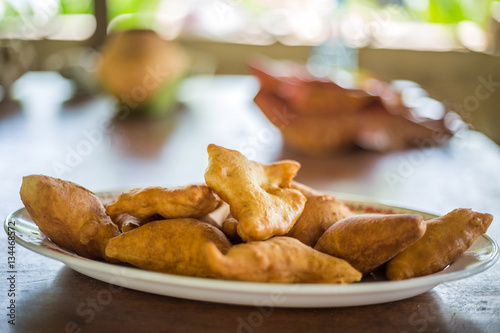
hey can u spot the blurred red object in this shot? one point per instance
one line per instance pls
(319, 117)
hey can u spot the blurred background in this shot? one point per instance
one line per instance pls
(330, 77)
(443, 45)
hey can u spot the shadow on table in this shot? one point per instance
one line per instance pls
(74, 301)
(354, 164)
(142, 136)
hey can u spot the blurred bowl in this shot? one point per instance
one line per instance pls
(319, 117)
(318, 134)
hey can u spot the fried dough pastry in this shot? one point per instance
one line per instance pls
(175, 246)
(369, 240)
(190, 201)
(70, 215)
(230, 229)
(320, 212)
(127, 222)
(258, 195)
(280, 260)
(446, 238)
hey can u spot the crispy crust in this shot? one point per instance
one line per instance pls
(70, 215)
(258, 194)
(280, 260)
(174, 246)
(446, 238)
(192, 201)
(320, 212)
(369, 240)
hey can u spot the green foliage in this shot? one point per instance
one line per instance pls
(119, 7)
(77, 7)
(454, 11)
(435, 11)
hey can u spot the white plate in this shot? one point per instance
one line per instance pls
(371, 290)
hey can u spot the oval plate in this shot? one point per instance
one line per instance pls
(371, 290)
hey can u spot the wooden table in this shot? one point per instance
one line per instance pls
(76, 142)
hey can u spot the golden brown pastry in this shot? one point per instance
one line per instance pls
(70, 215)
(174, 246)
(230, 229)
(190, 201)
(280, 260)
(446, 238)
(127, 222)
(257, 194)
(320, 212)
(369, 240)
